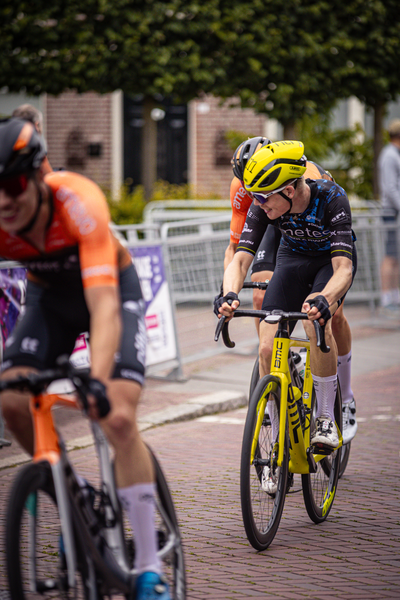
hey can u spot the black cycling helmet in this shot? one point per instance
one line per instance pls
(244, 151)
(22, 148)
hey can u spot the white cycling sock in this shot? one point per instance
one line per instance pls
(138, 502)
(274, 418)
(325, 390)
(344, 375)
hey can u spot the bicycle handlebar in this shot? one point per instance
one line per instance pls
(259, 285)
(276, 316)
(36, 383)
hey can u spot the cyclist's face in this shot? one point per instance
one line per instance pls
(275, 206)
(18, 201)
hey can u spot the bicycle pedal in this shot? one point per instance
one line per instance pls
(322, 449)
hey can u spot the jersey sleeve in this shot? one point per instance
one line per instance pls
(84, 211)
(253, 230)
(339, 222)
(240, 202)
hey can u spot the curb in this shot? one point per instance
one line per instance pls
(207, 404)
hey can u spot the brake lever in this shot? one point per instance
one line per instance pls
(320, 333)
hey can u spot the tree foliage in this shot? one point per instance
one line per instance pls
(287, 58)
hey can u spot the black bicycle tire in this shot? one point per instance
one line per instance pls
(344, 459)
(260, 540)
(34, 477)
(178, 592)
(255, 377)
(323, 483)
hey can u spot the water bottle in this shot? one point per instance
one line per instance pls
(300, 363)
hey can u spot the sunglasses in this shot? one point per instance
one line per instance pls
(262, 198)
(14, 186)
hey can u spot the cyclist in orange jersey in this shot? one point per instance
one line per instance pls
(80, 278)
(264, 264)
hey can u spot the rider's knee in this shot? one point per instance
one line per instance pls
(266, 347)
(14, 409)
(121, 424)
(258, 297)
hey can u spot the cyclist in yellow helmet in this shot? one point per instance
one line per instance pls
(316, 260)
(264, 262)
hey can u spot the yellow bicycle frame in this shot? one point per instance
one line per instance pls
(299, 440)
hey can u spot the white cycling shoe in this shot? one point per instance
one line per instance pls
(349, 421)
(325, 437)
(269, 482)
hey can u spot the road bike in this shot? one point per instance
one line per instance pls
(255, 377)
(277, 450)
(68, 540)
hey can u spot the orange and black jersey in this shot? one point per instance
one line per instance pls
(80, 248)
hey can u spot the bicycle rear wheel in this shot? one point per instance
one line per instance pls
(169, 537)
(36, 565)
(344, 459)
(261, 509)
(319, 489)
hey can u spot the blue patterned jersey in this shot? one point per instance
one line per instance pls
(325, 225)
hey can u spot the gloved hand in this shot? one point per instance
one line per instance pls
(85, 386)
(323, 306)
(219, 300)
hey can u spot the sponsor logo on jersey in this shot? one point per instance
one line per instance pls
(238, 198)
(44, 265)
(133, 307)
(339, 217)
(98, 271)
(29, 345)
(76, 210)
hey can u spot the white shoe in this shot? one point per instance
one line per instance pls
(349, 429)
(269, 482)
(325, 437)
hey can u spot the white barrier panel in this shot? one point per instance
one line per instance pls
(161, 337)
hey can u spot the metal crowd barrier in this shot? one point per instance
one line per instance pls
(193, 251)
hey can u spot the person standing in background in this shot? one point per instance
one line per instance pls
(389, 186)
(33, 115)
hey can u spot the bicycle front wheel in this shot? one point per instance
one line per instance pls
(36, 565)
(263, 483)
(319, 489)
(255, 377)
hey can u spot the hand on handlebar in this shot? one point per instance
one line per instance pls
(317, 309)
(226, 305)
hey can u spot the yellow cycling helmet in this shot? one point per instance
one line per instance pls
(274, 167)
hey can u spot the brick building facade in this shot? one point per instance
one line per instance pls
(84, 133)
(210, 171)
(79, 134)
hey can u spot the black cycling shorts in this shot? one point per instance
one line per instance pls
(53, 319)
(296, 276)
(265, 258)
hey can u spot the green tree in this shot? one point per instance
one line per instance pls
(371, 44)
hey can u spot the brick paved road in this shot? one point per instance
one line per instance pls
(353, 555)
